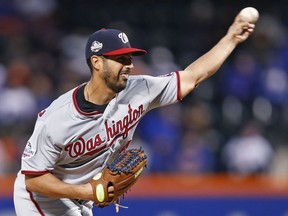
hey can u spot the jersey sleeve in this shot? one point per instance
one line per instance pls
(163, 90)
(40, 153)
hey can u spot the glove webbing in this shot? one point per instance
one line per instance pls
(126, 162)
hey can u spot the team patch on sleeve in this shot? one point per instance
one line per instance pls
(28, 151)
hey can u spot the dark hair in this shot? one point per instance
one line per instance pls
(88, 60)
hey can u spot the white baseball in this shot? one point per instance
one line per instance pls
(249, 14)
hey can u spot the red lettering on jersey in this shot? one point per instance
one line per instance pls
(123, 125)
(95, 144)
(82, 147)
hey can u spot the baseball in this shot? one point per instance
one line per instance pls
(249, 14)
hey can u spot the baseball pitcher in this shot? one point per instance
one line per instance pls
(79, 154)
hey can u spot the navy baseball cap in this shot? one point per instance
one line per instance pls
(108, 42)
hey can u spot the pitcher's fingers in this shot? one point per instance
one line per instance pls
(110, 189)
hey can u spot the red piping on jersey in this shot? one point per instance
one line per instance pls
(35, 203)
(179, 98)
(77, 107)
(29, 172)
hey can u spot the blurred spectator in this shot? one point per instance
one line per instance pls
(199, 117)
(195, 156)
(275, 85)
(162, 61)
(17, 102)
(241, 78)
(269, 106)
(42, 87)
(72, 49)
(249, 152)
(239, 83)
(267, 40)
(3, 165)
(36, 8)
(2, 76)
(279, 171)
(8, 155)
(161, 130)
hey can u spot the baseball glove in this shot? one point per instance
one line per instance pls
(122, 173)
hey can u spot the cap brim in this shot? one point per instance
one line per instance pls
(123, 51)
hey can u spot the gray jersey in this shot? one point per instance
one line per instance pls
(74, 145)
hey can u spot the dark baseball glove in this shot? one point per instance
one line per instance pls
(122, 173)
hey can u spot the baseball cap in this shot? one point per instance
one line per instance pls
(108, 42)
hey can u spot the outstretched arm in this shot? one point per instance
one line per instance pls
(210, 62)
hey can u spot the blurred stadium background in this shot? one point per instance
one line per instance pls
(222, 151)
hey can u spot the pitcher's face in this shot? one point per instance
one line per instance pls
(116, 70)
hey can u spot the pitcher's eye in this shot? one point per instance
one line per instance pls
(125, 60)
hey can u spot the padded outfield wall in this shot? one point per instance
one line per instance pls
(181, 195)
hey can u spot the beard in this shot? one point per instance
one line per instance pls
(114, 81)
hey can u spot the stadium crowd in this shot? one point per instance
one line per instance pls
(234, 122)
